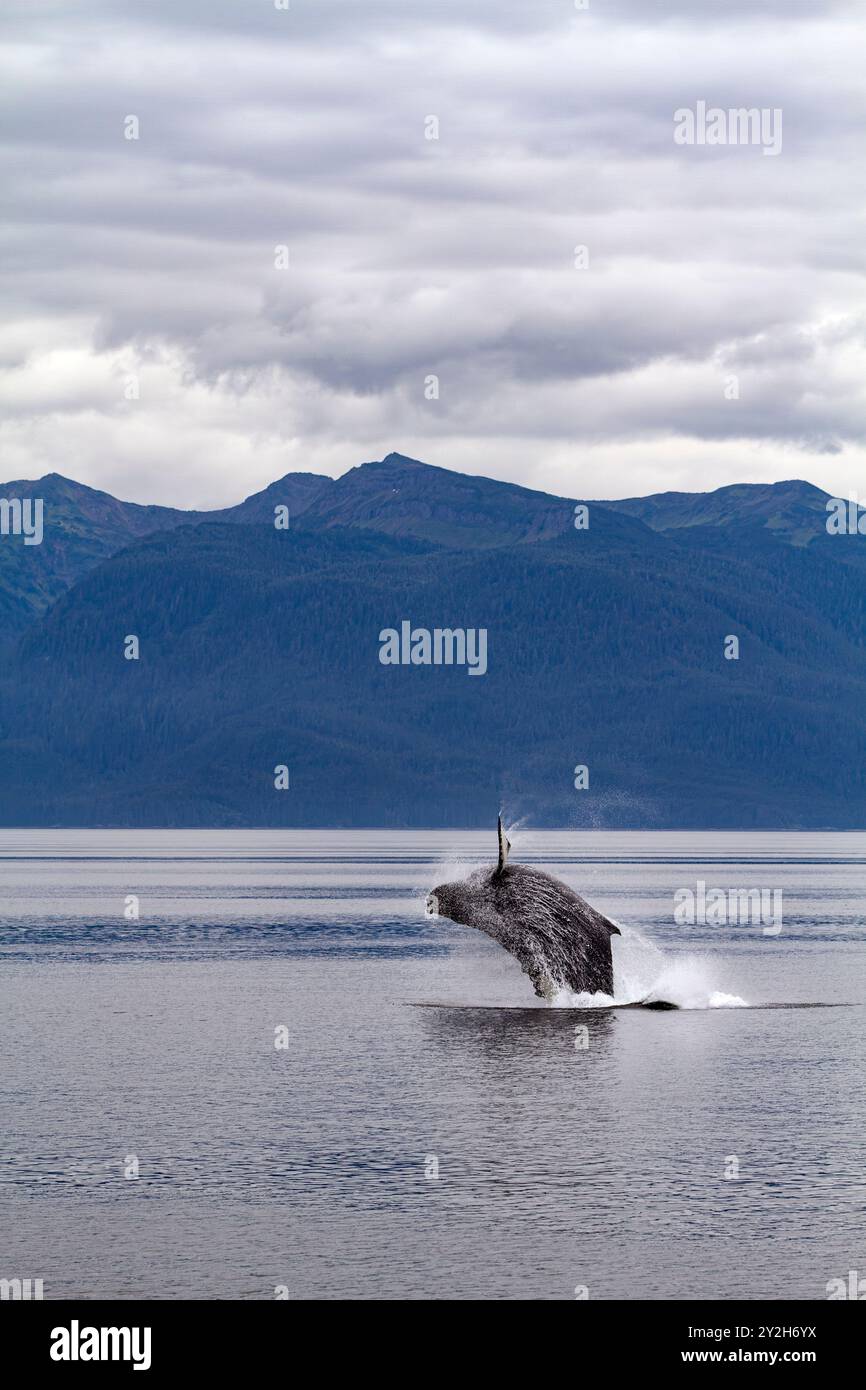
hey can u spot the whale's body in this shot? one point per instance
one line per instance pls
(560, 941)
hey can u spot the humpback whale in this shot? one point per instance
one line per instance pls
(558, 938)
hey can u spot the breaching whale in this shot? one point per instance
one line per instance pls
(560, 941)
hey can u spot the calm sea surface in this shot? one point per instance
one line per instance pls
(574, 1148)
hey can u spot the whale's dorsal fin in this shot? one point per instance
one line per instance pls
(504, 846)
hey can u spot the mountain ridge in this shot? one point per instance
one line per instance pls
(396, 495)
(260, 648)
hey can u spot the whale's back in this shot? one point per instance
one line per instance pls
(559, 939)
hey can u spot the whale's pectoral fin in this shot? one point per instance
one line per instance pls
(602, 921)
(504, 846)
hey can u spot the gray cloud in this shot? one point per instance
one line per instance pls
(408, 257)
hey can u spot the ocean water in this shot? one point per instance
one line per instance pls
(426, 1127)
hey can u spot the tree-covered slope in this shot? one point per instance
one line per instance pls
(605, 648)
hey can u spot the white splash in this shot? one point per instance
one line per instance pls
(642, 974)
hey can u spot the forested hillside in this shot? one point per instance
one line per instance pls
(605, 647)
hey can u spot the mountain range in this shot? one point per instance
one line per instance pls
(259, 648)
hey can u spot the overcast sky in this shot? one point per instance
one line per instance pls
(149, 264)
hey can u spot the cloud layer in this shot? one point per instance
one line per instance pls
(160, 342)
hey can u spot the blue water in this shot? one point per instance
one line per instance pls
(157, 1144)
